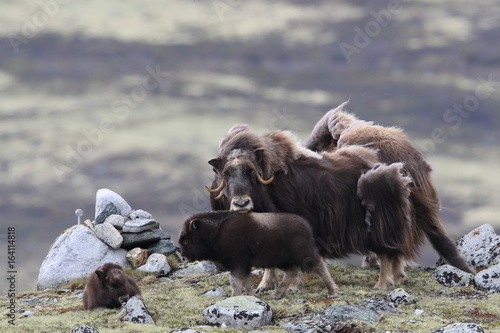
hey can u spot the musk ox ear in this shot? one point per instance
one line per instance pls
(216, 163)
(100, 274)
(194, 224)
(259, 155)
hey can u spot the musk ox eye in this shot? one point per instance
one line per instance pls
(185, 242)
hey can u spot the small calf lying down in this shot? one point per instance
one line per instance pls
(108, 287)
(236, 242)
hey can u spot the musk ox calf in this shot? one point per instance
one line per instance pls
(237, 241)
(108, 287)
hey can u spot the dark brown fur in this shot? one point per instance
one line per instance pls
(236, 242)
(338, 129)
(323, 188)
(108, 287)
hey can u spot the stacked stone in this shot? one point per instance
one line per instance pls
(136, 231)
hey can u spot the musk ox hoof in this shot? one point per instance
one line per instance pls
(383, 286)
(261, 290)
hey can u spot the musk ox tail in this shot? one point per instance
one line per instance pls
(385, 195)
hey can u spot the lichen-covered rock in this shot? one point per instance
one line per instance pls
(105, 196)
(480, 247)
(136, 312)
(341, 313)
(137, 257)
(76, 253)
(84, 329)
(186, 330)
(197, 268)
(461, 328)
(109, 210)
(240, 312)
(156, 263)
(109, 235)
(400, 297)
(489, 279)
(450, 276)
(216, 292)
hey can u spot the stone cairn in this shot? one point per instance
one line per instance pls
(116, 224)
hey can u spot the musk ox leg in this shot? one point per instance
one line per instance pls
(269, 281)
(325, 276)
(370, 261)
(290, 276)
(240, 283)
(398, 271)
(386, 277)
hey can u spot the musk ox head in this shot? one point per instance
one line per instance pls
(194, 240)
(113, 279)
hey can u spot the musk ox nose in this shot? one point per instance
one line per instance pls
(241, 204)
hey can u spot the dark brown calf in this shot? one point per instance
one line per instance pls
(108, 287)
(238, 241)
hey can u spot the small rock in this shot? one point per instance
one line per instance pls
(450, 276)
(136, 312)
(109, 235)
(301, 328)
(156, 263)
(400, 297)
(140, 214)
(419, 312)
(240, 312)
(137, 257)
(186, 330)
(84, 329)
(198, 268)
(163, 246)
(109, 210)
(105, 196)
(116, 221)
(216, 292)
(143, 239)
(139, 225)
(379, 306)
(26, 313)
(489, 279)
(340, 313)
(461, 328)
(89, 225)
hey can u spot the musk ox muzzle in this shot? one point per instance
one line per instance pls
(241, 204)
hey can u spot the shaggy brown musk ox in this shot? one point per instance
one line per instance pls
(353, 203)
(108, 287)
(236, 242)
(339, 129)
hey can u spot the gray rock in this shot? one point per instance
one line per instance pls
(116, 221)
(136, 312)
(480, 247)
(139, 225)
(301, 328)
(340, 313)
(84, 329)
(216, 292)
(140, 214)
(240, 312)
(186, 330)
(109, 235)
(143, 239)
(198, 268)
(450, 276)
(105, 196)
(76, 253)
(400, 297)
(380, 306)
(156, 263)
(109, 210)
(489, 279)
(164, 246)
(461, 328)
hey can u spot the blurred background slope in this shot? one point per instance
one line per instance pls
(134, 96)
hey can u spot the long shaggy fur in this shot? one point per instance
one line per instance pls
(339, 129)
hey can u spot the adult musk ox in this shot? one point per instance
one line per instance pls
(236, 242)
(353, 203)
(339, 129)
(108, 287)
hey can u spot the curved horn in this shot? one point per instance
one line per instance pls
(262, 180)
(218, 189)
(219, 196)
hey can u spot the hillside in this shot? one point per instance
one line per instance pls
(135, 97)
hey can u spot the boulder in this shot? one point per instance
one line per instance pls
(109, 210)
(140, 214)
(156, 263)
(450, 276)
(143, 239)
(137, 257)
(216, 292)
(480, 247)
(489, 279)
(116, 221)
(76, 253)
(197, 268)
(139, 225)
(109, 235)
(400, 297)
(136, 312)
(105, 196)
(163, 246)
(461, 328)
(341, 313)
(240, 312)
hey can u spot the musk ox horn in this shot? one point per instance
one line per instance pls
(219, 196)
(262, 180)
(216, 190)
